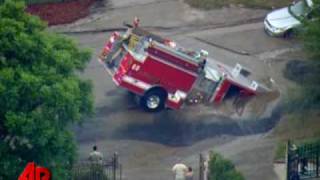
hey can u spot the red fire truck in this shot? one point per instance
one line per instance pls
(165, 75)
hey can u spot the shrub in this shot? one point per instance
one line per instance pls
(222, 169)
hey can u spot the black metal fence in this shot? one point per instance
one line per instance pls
(201, 167)
(109, 169)
(303, 161)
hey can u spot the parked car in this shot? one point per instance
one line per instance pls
(283, 22)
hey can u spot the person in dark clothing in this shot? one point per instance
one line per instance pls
(203, 55)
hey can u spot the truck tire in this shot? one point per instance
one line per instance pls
(153, 100)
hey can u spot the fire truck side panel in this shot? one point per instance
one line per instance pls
(123, 77)
(221, 91)
(170, 77)
(174, 59)
(139, 71)
(138, 77)
(131, 87)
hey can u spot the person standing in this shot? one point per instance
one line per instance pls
(204, 55)
(189, 174)
(96, 156)
(180, 171)
(96, 163)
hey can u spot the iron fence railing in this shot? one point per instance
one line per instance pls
(303, 161)
(109, 169)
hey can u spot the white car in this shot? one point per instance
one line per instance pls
(282, 22)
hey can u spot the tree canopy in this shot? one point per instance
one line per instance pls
(40, 93)
(311, 36)
(311, 40)
(306, 73)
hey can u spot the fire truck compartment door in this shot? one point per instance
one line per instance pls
(221, 91)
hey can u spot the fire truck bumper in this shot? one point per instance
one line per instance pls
(109, 70)
(176, 100)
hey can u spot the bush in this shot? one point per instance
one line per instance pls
(222, 169)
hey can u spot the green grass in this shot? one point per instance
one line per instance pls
(213, 4)
(281, 148)
(300, 128)
(280, 153)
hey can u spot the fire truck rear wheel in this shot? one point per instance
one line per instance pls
(153, 101)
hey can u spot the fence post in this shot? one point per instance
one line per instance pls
(201, 168)
(288, 160)
(120, 166)
(317, 160)
(114, 164)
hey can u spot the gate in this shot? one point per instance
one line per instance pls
(303, 161)
(109, 169)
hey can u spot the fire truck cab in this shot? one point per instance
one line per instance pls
(165, 75)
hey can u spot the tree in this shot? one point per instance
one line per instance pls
(311, 36)
(222, 169)
(307, 97)
(40, 94)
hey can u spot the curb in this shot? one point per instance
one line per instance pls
(93, 31)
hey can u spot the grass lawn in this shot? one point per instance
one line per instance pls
(299, 128)
(212, 4)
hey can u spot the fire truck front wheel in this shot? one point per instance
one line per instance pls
(154, 100)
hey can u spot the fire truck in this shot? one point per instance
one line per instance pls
(165, 75)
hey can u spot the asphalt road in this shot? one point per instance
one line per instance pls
(149, 144)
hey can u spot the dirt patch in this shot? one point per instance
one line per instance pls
(61, 12)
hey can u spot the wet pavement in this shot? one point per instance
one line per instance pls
(149, 144)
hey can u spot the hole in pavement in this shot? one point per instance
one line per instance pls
(172, 129)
